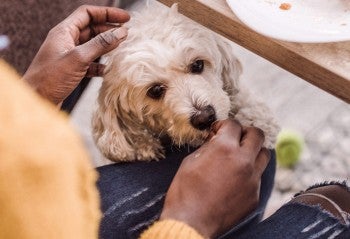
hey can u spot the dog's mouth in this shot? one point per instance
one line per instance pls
(192, 131)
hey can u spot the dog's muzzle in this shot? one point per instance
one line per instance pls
(203, 118)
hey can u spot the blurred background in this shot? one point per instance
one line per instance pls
(322, 120)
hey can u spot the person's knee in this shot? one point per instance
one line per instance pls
(334, 198)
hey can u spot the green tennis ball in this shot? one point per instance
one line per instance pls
(289, 147)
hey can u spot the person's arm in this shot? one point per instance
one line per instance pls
(68, 52)
(215, 187)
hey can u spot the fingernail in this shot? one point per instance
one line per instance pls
(121, 33)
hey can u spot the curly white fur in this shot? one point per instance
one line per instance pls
(160, 47)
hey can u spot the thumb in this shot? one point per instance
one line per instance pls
(101, 44)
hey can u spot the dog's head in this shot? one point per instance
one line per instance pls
(170, 77)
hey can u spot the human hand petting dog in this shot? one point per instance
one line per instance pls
(68, 52)
(218, 185)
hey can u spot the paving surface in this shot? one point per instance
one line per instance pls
(321, 119)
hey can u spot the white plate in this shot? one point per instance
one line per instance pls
(309, 21)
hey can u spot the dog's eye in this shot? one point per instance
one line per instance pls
(156, 91)
(197, 67)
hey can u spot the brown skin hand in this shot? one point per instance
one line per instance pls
(218, 185)
(68, 52)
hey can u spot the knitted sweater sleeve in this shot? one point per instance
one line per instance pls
(47, 184)
(170, 229)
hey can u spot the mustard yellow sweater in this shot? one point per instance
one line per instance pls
(47, 185)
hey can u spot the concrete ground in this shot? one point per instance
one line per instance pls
(321, 119)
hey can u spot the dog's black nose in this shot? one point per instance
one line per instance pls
(203, 118)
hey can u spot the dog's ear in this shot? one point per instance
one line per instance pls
(118, 133)
(231, 68)
(109, 136)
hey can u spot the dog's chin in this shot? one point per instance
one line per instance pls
(192, 138)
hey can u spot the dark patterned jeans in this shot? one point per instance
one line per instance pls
(132, 196)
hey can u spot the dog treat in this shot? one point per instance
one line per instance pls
(285, 6)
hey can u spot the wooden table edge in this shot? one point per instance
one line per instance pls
(277, 52)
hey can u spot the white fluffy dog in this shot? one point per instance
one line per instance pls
(172, 78)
